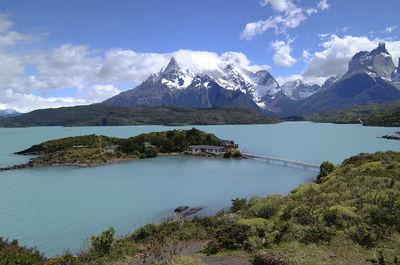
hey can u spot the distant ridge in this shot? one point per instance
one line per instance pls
(107, 115)
(9, 113)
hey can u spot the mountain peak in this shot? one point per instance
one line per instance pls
(380, 49)
(376, 63)
(172, 65)
(9, 112)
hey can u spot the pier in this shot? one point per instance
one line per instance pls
(285, 162)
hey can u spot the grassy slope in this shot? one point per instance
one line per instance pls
(380, 114)
(107, 115)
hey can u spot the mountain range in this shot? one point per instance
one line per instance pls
(371, 77)
(9, 113)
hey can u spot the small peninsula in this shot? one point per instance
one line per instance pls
(95, 150)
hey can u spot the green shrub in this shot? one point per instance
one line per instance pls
(230, 237)
(227, 155)
(324, 170)
(267, 211)
(239, 204)
(151, 152)
(316, 233)
(101, 244)
(363, 234)
(237, 153)
(340, 216)
(13, 254)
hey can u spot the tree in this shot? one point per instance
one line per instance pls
(101, 244)
(324, 170)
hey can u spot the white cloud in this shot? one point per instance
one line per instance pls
(278, 5)
(306, 55)
(99, 93)
(290, 17)
(5, 23)
(282, 55)
(333, 59)
(24, 102)
(95, 74)
(389, 29)
(323, 5)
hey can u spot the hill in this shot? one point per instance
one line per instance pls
(107, 115)
(379, 114)
(94, 150)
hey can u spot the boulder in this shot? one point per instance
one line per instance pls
(181, 209)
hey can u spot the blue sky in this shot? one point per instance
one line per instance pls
(61, 53)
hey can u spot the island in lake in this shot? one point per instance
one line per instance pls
(95, 150)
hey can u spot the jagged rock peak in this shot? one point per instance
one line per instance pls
(172, 65)
(380, 49)
(377, 63)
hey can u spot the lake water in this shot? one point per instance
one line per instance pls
(57, 208)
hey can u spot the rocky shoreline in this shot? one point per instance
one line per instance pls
(396, 136)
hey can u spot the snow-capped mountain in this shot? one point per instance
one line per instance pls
(396, 74)
(9, 113)
(377, 63)
(371, 77)
(297, 90)
(224, 85)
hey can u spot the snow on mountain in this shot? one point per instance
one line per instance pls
(396, 74)
(256, 85)
(9, 113)
(297, 90)
(377, 63)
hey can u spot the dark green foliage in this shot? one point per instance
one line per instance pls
(107, 115)
(168, 141)
(324, 170)
(227, 155)
(101, 244)
(76, 142)
(236, 153)
(239, 205)
(267, 211)
(230, 237)
(380, 114)
(381, 259)
(90, 149)
(13, 254)
(316, 233)
(151, 152)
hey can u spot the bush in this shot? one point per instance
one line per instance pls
(324, 170)
(11, 253)
(229, 237)
(227, 155)
(237, 153)
(267, 211)
(145, 232)
(151, 152)
(101, 244)
(363, 234)
(239, 205)
(315, 234)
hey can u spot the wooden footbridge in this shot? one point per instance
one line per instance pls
(285, 162)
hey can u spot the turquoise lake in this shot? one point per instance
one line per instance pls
(58, 208)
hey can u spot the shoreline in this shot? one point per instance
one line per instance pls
(113, 161)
